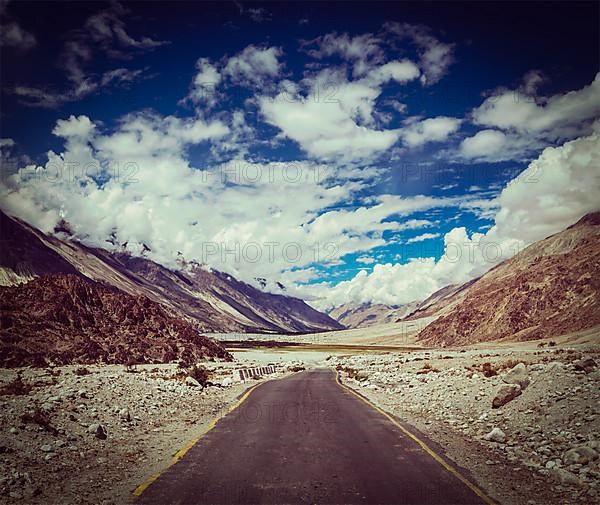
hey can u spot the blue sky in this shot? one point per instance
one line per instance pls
(425, 112)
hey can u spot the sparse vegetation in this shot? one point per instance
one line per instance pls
(427, 368)
(352, 372)
(508, 364)
(200, 373)
(296, 368)
(486, 369)
(16, 387)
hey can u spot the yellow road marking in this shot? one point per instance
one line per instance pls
(181, 452)
(479, 492)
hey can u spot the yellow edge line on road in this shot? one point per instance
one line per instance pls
(423, 445)
(181, 452)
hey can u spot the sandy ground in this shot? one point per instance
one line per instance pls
(445, 395)
(148, 416)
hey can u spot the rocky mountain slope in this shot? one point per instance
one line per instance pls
(550, 288)
(370, 314)
(210, 300)
(65, 318)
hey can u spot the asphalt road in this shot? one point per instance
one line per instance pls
(307, 440)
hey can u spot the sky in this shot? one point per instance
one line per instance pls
(349, 152)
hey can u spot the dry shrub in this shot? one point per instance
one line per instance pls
(81, 371)
(352, 372)
(200, 373)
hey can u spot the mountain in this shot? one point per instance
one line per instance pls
(212, 301)
(549, 289)
(66, 318)
(370, 314)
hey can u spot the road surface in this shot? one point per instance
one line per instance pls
(306, 439)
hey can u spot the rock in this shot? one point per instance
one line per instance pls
(586, 365)
(98, 430)
(594, 444)
(362, 375)
(566, 477)
(190, 381)
(125, 415)
(496, 435)
(46, 448)
(581, 455)
(505, 394)
(226, 382)
(517, 375)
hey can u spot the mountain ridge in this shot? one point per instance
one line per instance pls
(210, 300)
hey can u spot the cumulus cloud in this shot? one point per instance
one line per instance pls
(519, 122)
(204, 85)
(363, 51)
(483, 143)
(340, 123)
(254, 65)
(553, 192)
(135, 185)
(418, 132)
(434, 56)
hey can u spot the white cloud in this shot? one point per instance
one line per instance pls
(366, 260)
(204, 85)
(483, 144)
(557, 116)
(552, 193)
(144, 191)
(254, 65)
(418, 132)
(6, 142)
(423, 237)
(363, 51)
(339, 124)
(435, 56)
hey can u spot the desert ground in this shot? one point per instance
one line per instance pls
(93, 434)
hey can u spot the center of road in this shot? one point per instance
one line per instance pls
(309, 439)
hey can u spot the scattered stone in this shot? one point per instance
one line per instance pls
(98, 430)
(496, 435)
(581, 455)
(46, 448)
(566, 477)
(586, 365)
(190, 381)
(362, 375)
(125, 415)
(517, 375)
(505, 394)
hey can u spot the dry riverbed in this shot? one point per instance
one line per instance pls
(93, 434)
(540, 447)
